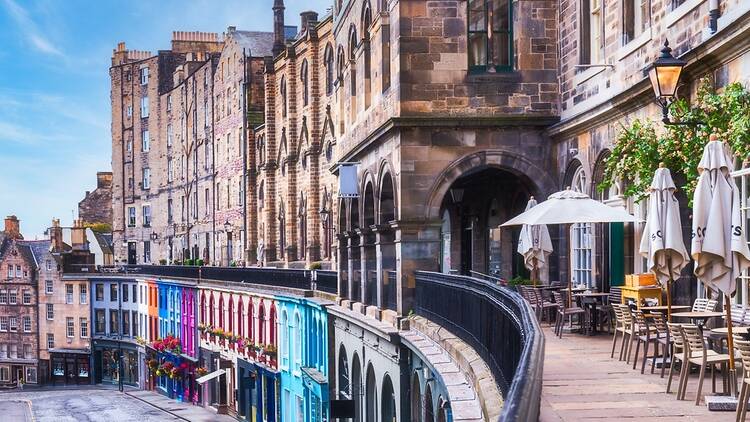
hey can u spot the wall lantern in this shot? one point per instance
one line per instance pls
(665, 75)
(457, 194)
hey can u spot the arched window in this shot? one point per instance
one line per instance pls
(221, 311)
(297, 341)
(250, 320)
(261, 323)
(343, 377)
(272, 325)
(366, 22)
(353, 44)
(388, 401)
(282, 230)
(231, 314)
(303, 76)
(416, 399)
(203, 307)
(284, 339)
(371, 395)
(490, 35)
(582, 236)
(357, 388)
(211, 310)
(261, 194)
(302, 218)
(282, 92)
(328, 59)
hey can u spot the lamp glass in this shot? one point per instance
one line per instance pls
(668, 77)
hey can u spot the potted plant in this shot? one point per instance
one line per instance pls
(201, 371)
(162, 261)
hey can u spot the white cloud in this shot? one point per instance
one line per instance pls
(29, 29)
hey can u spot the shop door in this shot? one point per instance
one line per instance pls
(18, 374)
(70, 371)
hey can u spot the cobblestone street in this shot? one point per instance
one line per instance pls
(93, 405)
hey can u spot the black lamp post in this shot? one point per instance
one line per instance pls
(228, 231)
(665, 75)
(324, 216)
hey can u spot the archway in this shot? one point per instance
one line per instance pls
(371, 395)
(343, 378)
(386, 244)
(429, 412)
(387, 401)
(416, 399)
(367, 240)
(475, 204)
(355, 253)
(357, 388)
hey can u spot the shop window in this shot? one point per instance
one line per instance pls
(4, 373)
(30, 374)
(490, 35)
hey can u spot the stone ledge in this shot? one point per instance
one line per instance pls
(469, 363)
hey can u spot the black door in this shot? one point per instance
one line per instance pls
(132, 253)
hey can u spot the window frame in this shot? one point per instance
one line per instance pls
(479, 69)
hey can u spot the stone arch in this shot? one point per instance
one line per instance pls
(357, 387)
(597, 175)
(387, 210)
(429, 405)
(344, 382)
(369, 216)
(541, 184)
(417, 412)
(371, 395)
(387, 401)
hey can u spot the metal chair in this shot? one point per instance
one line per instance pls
(563, 312)
(697, 353)
(677, 354)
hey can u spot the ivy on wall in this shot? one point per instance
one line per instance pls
(640, 147)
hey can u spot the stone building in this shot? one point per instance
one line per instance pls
(170, 126)
(96, 206)
(19, 352)
(603, 53)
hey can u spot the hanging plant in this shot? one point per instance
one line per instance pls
(639, 147)
(201, 371)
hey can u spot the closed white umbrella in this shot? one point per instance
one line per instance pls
(662, 242)
(535, 245)
(570, 207)
(719, 246)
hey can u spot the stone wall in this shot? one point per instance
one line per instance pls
(96, 206)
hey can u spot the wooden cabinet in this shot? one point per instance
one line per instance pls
(640, 293)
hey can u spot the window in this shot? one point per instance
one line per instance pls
(3, 297)
(169, 102)
(582, 236)
(26, 297)
(169, 210)
(113, 292)
(84, 293)
(27, 354)
(170, 170)
(125, 293)
(146, 215)
(146, 178)
(635, 19)
(125, 323)
(3, 323)
(70, 328)
(84, 323)
(4, 373)
(304, 79)
(205, 113)
(100, 321)
(207, 201)
(10, 271)
(144, 107)
(114, 317)
(591, 29)
(18, 271)
(13, 351)
(145, 141)
(48, 287)
(297, 342)
(329, 69)
(13, 323)
(170, 134)
(131, 216)
(69, 294)
(144, 75)
(99, 292)
(13, 297)
(50, 311)
(130, 110)
(27, 324)
(50, 341)
(282, 91)
(490, 35)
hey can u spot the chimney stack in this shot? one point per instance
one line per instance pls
(78, 236)
(104, 179)
(13, 227)
(306, 18)
(279, 39)
(56, 236)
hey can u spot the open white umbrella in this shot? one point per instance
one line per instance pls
(570, 207)
(535, 245)
(662, 242)
(719, 245)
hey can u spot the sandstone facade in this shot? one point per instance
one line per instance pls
(96, 206)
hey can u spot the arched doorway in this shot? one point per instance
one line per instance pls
(429, 413)
(416, 399)
(387, 401)
(386, 243)
(343, 378)
(473, 207)
(367, 240)
(371, 396)
(357, 388)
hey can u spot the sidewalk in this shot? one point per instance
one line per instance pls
(185, 411)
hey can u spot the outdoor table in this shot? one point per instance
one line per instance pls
(663, 308)
(592, 307)
(735, 330)
(701, 316)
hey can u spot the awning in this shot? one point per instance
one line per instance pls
(209, 377)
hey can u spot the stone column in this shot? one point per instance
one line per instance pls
(385, 251)
(353, 254)
(368, 265)
(344, 279)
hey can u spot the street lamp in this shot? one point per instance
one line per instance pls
(665, 75)
(228, 231)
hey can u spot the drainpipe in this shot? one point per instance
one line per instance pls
(244, 154)
(713, 15)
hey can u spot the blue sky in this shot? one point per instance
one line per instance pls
(54, 87)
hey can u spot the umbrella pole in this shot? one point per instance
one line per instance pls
(669, 299)
(570, 266)
(730, 345)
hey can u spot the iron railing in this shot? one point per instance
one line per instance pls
(279, 277)
(326, 281)
(499, 325)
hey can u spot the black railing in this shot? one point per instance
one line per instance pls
(279, 277)
(326, 281)
(499, 325)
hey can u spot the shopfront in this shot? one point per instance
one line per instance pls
(316, 394)
(70, 367)
(109, 368)
(257, 392)
(174, 375)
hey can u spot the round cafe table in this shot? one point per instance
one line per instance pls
(664, 308)
(735, 330)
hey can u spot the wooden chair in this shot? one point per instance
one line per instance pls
(619, 328)
(543, 306)
(700, 304)
(565, 312)
(677, 354)
(743, 348)
(664, 339)
(627, 334)
(711, 305)
(645, 334)
(697, 353)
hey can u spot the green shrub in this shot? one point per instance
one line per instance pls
(518, 281)
(162, 261)
(199, 262)
(316, 266)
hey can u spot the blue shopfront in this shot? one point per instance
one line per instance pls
(257, 392)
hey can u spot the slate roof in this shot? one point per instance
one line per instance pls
(104, 240)
(258, 44)
(39, 250)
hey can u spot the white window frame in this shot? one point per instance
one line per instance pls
(50, 311)
(146, 182)
(83, 290)
(84, 324)
(69, 293)
(50, 340)
(13, 297)
(144, 107)
(24, 295)
(49, 287)
(3, 297)
(70, 327)
(144, 75)
(742, 180)
(26, 324)
(3, 324)
(582, 240)
(145, 140)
